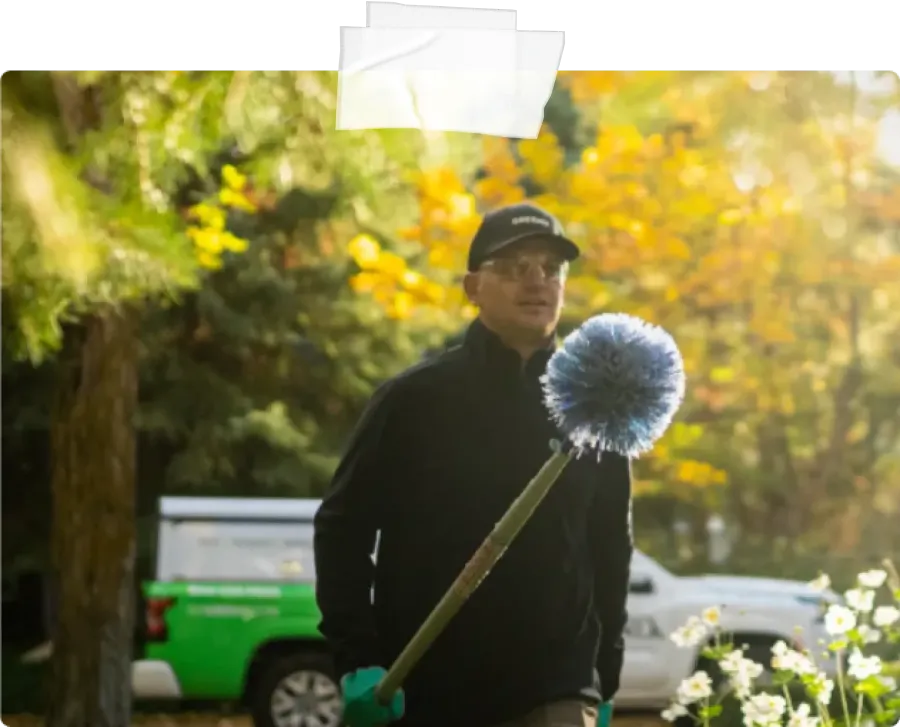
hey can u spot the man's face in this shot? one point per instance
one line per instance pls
(520, 290)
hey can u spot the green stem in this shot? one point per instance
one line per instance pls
(787, 698)
(487, 555)
(840, 684)
(824, 714)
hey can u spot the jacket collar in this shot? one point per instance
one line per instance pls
(488, 350)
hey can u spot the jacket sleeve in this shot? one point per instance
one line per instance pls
(612, 544)
(346, 525)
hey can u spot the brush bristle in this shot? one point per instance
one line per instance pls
(615, 384)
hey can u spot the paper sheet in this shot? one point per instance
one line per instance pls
(446, 69)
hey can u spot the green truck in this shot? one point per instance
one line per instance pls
(231, 614)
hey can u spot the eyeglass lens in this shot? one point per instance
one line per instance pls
(519, 268)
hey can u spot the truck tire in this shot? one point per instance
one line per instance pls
(297, 690)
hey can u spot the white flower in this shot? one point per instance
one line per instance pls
(731, 662)
(822, 688)
(860, 599)
(888, 683)
(787, 659)
(742, 682)
(821, 583)
(673, 713)
(801, 717)
(692, 634)
(711, 616)
(886, 616)
(763, 710)
(872, 578)
(868, 634)
(862, 667)
(696, 687)
(839, 620)
(741, 672)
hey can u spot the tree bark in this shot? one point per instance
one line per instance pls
(93, 534)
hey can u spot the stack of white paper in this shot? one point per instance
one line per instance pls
(445, 69)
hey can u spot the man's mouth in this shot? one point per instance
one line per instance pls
(533, 304)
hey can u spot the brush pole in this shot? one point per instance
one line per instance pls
(480, 564)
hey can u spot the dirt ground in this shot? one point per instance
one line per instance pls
(207, 720)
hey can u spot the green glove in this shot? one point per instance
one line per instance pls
(361, 706)
(604, 714)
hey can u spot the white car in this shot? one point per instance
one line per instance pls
(756, 612)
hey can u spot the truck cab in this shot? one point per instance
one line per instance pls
(231, 614)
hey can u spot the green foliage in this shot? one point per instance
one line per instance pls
(253, 381)
(253, 369)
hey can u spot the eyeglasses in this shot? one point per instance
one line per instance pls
(518, 269)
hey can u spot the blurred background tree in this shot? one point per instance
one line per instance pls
(752, 215)
(155, 292)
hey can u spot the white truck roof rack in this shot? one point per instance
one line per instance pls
(237, 508)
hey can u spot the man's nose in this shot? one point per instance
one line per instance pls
(534, 274)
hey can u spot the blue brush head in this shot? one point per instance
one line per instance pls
(615, 384)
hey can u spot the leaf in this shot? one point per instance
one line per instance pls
(721, 375)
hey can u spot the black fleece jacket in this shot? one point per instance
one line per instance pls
(439, 455)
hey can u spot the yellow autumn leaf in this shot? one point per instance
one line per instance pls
(630, 139)
(462, 205)
(401, 306)
(365, 250)
(730, 217)
(721, 375)
(232, 198)
(687, 471)
(208, 240)
(441, 256)
(209, 260)
(544, 157)
(232, 243)
(433, 292)
(619, 221)
(391, 264)
(695, 205)
(590, 157)
(365, 282)
(232, 178)
(411, 279)
(208, 215)
(410, 233)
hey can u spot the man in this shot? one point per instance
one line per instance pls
(440, 454)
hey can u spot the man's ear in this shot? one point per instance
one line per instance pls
(470, 286)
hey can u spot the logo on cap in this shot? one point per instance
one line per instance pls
(553, 223)
(526, 219)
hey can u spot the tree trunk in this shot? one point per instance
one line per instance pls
(93, 540)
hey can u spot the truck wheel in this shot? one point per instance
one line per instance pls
(297, 691)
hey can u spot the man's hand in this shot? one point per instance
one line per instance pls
(361, 706)
(604, 714)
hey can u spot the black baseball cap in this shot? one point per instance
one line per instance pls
(504, 226)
